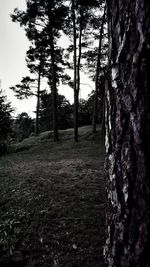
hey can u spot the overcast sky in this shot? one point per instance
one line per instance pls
(13, 47)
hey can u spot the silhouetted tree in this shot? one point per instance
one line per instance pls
(37, 62)
(26, 89)
(76, 93)
(23, 90)
(97, 75)
(46, 112)
(96, 58)
(23, 126)
(83, 14)
(46, 17)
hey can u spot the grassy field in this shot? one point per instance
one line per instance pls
(52, 202)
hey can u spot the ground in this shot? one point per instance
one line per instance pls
(52, 204)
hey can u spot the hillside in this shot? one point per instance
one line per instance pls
(52, 210)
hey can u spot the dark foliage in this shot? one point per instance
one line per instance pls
(46, 112)
(23, 90)
(5, 123)
(85, 112)
(23, 126)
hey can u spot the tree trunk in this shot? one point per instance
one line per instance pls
(94, 121)
(76, 93)
(75, 75)
(76, 105)
(103, 105)
(38, 105)
(80, 47)
(128, 134)
(54, 87)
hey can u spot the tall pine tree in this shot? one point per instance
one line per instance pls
(46, 17)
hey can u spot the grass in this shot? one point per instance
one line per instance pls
(52, 205)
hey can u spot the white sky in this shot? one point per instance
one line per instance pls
(13, 47)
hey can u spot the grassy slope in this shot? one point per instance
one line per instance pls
(52, 202)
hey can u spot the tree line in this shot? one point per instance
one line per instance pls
(14, 129)
(45, 23)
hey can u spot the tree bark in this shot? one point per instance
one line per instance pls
(128, 134)
(94, 121)
(38, 105)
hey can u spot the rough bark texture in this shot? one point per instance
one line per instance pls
(128, 134)
(38, 104)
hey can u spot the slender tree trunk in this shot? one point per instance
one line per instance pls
(128, 135)
(80, 47)
(103, 111)
(76, 98)
(54, 87)
(94, 121)
(75, 75)
(103, 105)
(76, 104)
(38, 105)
